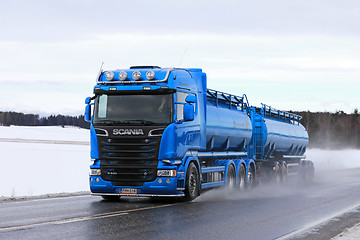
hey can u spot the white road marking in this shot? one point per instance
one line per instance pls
(83, 218)
(89, 218)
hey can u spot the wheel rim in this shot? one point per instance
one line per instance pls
(192, 183)
(242, 180)
(231, 179)
(250, 177)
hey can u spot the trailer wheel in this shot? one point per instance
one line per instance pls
(242, 178)
(278, 173)
(192, 182)
(111, 198)
(231, 178)
(251, 177)
(306, 171)
(284, 171)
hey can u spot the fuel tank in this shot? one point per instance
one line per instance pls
(228, 128)
(285, 138)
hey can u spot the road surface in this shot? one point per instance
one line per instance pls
(318, 210)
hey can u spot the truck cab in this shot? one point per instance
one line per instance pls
(143, 122)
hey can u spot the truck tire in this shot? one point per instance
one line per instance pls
(277, 173)
(251, 178)
(242, 178)
(231, 178)
(111, 198)
(306, 171)
(192, 182)
(284, 171)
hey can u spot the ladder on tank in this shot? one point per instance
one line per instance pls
(258, 138)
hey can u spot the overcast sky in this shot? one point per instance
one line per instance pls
(292, 55)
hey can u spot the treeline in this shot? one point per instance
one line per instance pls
(21, 119)
(332, 130)
(326, 130)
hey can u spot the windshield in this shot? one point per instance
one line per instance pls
(133, 109)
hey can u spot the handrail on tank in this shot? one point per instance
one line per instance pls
(232, 100)
(269, 112)
(247, 101)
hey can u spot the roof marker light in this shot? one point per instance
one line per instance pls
(109, 76)
(136, 75)
(150, 75)
(122, 76)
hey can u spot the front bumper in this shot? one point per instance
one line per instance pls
(161, 186)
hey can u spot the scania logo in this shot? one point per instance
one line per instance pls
(121, 131)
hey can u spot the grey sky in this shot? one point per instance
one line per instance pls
(294, 55)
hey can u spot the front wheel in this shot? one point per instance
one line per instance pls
(192, 182)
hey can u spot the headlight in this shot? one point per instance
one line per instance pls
(122, 76)
(109, 76)
(150, 75)
(136, 75)
(166, 173)
(95, 172)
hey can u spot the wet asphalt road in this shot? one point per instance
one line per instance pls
(268, 212)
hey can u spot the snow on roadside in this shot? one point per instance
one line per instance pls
(352, 233)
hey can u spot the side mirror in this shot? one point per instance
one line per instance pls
(190, 99)
(189, 112)
(87, 100)
(87, 116)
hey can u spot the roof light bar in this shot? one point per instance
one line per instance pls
(134, 82)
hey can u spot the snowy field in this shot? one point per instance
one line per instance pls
(56, 164)
(43, 160)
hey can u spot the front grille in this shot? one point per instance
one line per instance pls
(128, 160)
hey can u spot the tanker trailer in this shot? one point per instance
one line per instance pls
(279, 144)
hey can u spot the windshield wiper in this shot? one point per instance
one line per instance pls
(144, 122)
(113, 122)
(107, 122)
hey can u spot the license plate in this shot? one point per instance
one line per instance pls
(128, 191)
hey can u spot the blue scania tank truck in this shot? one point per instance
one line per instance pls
(161, 132)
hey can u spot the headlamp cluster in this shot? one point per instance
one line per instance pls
(136, 75)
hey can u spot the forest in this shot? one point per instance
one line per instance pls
(21, 119)
(332, 130)
(326, 130)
